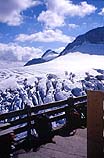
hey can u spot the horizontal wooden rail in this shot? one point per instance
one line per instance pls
(79, 99)
(49, 105)
(33, 109)
(81, 104)
(58, 117)
(13, 114)
(40, 107)
(21, 120)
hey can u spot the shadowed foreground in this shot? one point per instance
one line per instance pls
(64, 147)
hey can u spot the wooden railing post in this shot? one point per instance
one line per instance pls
(29, 121)
(70, 102)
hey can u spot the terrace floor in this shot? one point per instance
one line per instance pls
(65, 147)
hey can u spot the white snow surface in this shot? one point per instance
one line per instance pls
(78, 63)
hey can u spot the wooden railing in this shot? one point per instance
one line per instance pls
(21, 120)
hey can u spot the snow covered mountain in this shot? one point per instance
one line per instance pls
(47, 56)
(91, 42)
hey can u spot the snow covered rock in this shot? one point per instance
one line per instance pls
(49, 97)
(77, 92)
(59, 95)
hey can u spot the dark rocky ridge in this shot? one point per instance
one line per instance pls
(44, 58)
(95, 36)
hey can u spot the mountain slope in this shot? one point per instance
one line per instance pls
(35, 61)
(91, 42)
(47, 56)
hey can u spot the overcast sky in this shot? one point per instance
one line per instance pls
(30, 27)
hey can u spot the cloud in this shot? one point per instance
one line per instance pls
(46, 36)
(11, 10)
(58, 10)
(14, 52)
(102, 12)
(73, 26)
(51, 19)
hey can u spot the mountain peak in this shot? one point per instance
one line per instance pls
(47, 56)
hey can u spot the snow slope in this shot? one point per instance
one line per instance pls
(10, 64)
(77, 63)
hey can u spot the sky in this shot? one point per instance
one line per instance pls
(29, 27)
